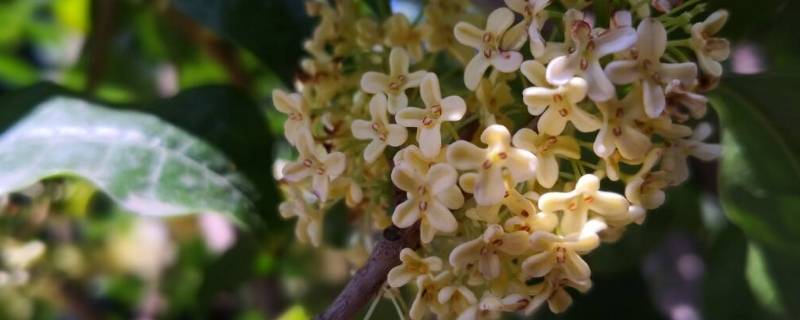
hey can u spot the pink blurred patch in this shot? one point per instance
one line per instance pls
(219, 233)
(747, 58)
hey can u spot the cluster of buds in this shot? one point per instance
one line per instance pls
(514, 161)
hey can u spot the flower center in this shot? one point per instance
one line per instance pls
(398, 83)
(380, 130)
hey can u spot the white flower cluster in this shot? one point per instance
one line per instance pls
(523, 158)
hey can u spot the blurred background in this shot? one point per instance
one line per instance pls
(714, 251)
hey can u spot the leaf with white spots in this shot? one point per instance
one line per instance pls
(148, 166)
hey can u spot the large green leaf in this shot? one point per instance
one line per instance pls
(272, 29)
(147, 165)
(759, 168)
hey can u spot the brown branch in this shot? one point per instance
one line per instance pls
(368, 280)
(102, 30)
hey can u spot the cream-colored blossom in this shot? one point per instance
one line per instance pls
(553, 291)
(563, 252)
(585, 48)
(412, 156)
(296, 111)
(557, 105)
(428, 199)
(648, 69)
(711, 50)
(378, 129)
(534, 16)
(577, 205)
(491, 161)
(299, 204)
(411, 268)
(490, 307)
(546, 148)
(484, 251)
(457, 299)
(428, 121)
(427, 298)
(645, 189)
(394, 84)
(675, 156)
(315, 161)
(619, 131)
(400, 33)
(679, 96)
(496, 47)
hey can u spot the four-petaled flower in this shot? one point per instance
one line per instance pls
(315, 161)
(546, 148)
(484, 250)
(427, 299)
(394, 84)
(400, 33)
(534, 15)
(553, 291)
(563, 252)
(379, 130)
(412, 267)
(577, 204)
(490, 162)
(496, 46)
(674, 160)
(296, 111)
(430, 199)
(585, 48)
(556, 105)
(648, 68)
(645, 189)
(711, 50)
(428, 121)
(619, 131)
(309, 219)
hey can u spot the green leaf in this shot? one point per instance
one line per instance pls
(145, 164)
(759, 165)
(272, 29)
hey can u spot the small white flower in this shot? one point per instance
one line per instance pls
(556, 105)
(586, 46)
(534, 16)
(428, 199)
(490, 162)
(496, 47)
(546, 148)
(645, 189)
(457, 299)
(563, 252)
(675, 156)
(553, 291)
(394, 84)
(411, 268)
(585, 198)
(679, 95)
(484, 250)
(427, 299)
(648, 68)
(379, 130)
(309, 219)
(296, 111)
(428, 121)
(619, 131)
(316, 162)
(711, 50)
(490, 307)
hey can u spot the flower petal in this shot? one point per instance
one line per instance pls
(600, 88)
(295, 171)
(452, 198)
(362, 129)
(453, 108)
(374, 150)
(499, 21)
(515, 243)
(521, 164)
(400, 276)
(489, 188)
(430, 140)
(374, 82)
(465, 156)
(441, 177)
(406, 214)
(551, 122)
(562, 69)
(654, 99)
(685, 72)
(539, 265)
(397, 135)
(398, 61)
(547, 171)
(468, 34)
(474, 71)
(335, 164)
(506, 61)
(535, 72)
(430, 91)
(409, 117)
(632, 143)
(397, 102)
(652, 39)
(466, 253)
(406, 179)
(614, 40)
(440, 217)
(623, 71)
(575, 268)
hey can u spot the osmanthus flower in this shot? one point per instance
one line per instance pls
(585, 48)
(619, 131)
(711, 50)
(394, 84)
(546, 148)
(563, 252)
(378, 129)
(316, 162)
(427, 298)
(400, 33)
(488, 308)
(412, 157)
(412, 267)
(645, 189)
(586, 198)
(484, 250)
(533, 16)
(516, 203)
(490, 163)
(300, 204)
(647, 67)
(496, 46)
(553, 291)
(428, 199)
(428, 121)
(675, 156)
(679, 96)
(296, 110)
(457, 299)
(556, 105)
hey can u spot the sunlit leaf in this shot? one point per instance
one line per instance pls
(147, 165)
